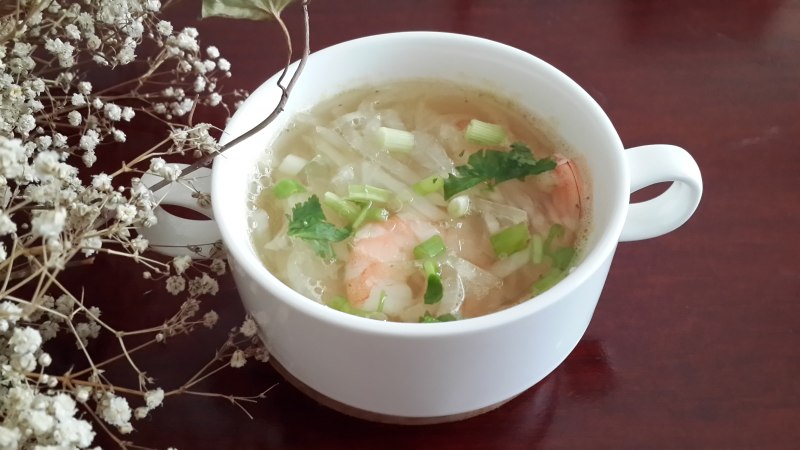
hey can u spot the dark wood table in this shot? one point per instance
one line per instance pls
(696, 340)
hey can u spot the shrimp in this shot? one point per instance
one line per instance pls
(563, 205)
(381, 264)
(555, 198)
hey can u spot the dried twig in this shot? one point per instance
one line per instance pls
(285, 91)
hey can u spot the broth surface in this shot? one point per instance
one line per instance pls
(338, 149)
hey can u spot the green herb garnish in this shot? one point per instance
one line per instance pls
(562, 257)
(370, 214)
(309, 224)
(285, 188)
(537, 249)
(430, 318)
(430, 248)
(433, 183)
(340, 303)
(367, 193)
(548, 280)
(510, 240)
(399, 141)
(484, 133)
(494, 166)
(434, 290)
(344, 208)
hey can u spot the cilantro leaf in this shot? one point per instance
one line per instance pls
(495, 166)
(308, 223)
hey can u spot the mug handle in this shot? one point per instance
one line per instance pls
(651, 164)
(177, 236)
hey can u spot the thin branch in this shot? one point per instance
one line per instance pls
(114, 358)
(285, 91)
(235, 399)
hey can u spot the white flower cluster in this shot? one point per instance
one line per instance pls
(57, 206)
(197, 286)
(49, 127)
(52, 314)
(255, 350)
(28, 414)
(196, 138)
(115, 411)
(69, 210)
(40, 413)
(200, 73)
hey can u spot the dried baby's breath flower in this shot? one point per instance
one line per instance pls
(176, 284)
(261, 354)
(115, 411)
(58, 211)
(218, 266)
(140, 412)
(203, 285)
(249, 327)
(154, 398)
(82, 393)
(238, 359)
(181, 263)
(210, 319)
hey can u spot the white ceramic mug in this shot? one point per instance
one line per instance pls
(412, 373)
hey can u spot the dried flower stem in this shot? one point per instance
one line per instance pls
(285, 91)
(57, 212)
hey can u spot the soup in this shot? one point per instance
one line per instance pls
(419, 201)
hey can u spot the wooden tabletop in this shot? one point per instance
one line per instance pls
(695, 342)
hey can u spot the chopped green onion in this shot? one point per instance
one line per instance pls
(483, 133)
(430, 318)
(285, 188)
(377, 214)
(434, 290)
(431, 267)
(370, 214)
(430, 248)
(395, 140)
(361, 217)
(381, 302)
(449, 317)
(396, 203)
(510, 240)
(537, 248)
(458, 206)
(562, 257)
(346, 209)
(547, 281)
(434, 183)
(555, 232)
(367, 193)
(340, 303)
(292, 165)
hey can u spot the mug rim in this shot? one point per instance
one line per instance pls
(243, 253)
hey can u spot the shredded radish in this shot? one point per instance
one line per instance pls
(292, 165)
(347, 198)
(506, 266)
